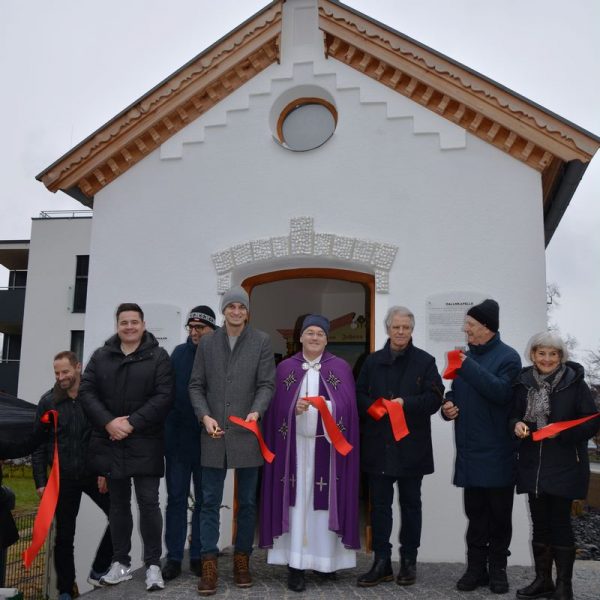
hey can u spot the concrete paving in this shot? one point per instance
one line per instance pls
(435, 580)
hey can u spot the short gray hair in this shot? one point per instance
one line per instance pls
(547, 339)
(401, 311)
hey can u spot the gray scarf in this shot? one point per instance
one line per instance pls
(538, 398)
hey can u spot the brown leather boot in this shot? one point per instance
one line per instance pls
(241, 570)
(210, 574)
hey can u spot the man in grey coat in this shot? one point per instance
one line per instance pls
(233, 375)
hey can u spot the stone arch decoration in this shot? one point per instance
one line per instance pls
(303, 241)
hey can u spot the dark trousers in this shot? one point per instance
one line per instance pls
(121, 521)
(178, 473)
(551, 520)
(489, 511)
(381, 492)
(212, 497)
(67, 508)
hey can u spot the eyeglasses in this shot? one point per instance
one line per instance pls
(317, 334)
(193, 327)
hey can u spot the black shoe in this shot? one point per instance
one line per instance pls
(498, 579)
(296, 581)
(408, 571)
(472, 579)
(196, 566)
(171, 570)
(326, 576)
(380, 571)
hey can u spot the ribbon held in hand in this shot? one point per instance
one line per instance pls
(340, 443)
(253, 427)
(454, 364)
(554, 428)
(381, 407)
(47, 507)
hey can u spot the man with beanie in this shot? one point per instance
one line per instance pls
(309, 501)
(480, 404)
(182, 450)
(233, 375)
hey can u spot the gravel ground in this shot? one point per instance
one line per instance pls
(587, 534)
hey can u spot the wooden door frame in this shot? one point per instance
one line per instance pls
(365, 279)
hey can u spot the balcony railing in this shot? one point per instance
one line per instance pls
(66, 214)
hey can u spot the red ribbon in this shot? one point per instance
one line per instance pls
(381, 407)
(253, 427)
(340, 443)
(554, 428)
(47, 507)
(454, 364)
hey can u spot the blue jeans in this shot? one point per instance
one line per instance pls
(212, 497)
(178, 474)
(381, 490)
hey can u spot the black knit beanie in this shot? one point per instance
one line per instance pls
(486, 313)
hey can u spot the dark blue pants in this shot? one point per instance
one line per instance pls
(489, 511)
(212, 497)
(178, 474)
(121, 520)
(381, 492)
(67, 508)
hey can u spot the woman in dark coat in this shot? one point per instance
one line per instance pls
(555, 470)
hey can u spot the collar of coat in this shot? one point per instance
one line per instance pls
(483, 348)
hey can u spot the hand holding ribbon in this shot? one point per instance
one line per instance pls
(554, 428)
(454, 364)
(381, 407)
(253, 427)
(340, 443)
(47, 507)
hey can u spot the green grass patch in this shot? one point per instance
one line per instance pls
(20, 481)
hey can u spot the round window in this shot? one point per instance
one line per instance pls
(306, 123)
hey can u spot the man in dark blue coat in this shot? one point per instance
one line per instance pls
(408, 376)
(182, 450)
(480, 404)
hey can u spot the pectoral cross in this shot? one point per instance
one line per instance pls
(293, 480)
(320, 483)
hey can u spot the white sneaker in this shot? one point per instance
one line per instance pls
(116, 574)
(154, 580)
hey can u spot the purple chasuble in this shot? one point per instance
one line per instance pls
(278, 489)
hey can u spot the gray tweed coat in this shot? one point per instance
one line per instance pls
(225, 383)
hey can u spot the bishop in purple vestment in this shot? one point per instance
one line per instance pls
(309, 499)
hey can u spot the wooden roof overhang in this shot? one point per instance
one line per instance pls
(556, 148)
(559, 150)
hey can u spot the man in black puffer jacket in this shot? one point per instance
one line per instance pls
(73, 434)
(126, 393)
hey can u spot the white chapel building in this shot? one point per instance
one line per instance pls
(335, 166)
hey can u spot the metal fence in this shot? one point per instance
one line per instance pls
(31, 582)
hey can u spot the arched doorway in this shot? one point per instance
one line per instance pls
(345, 297)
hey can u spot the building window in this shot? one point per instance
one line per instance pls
(17, 279)
(81, 281)
(77, 343)
(306, 124)
(11, 347)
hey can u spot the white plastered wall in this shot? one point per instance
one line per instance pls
(464, 215)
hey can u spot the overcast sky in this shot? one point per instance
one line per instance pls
(68, 66)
